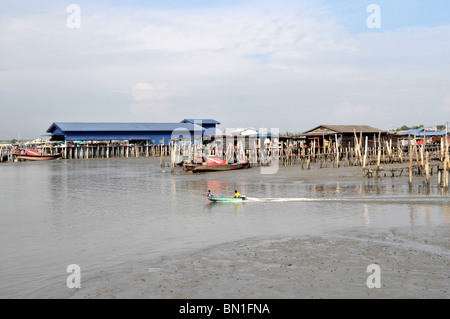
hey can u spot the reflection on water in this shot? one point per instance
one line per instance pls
(113, 214)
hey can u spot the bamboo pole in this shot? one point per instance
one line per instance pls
(337, 150)
(410, 166)
(446, 164)
(421, 160)
(161, 155)
(378, 161)
(365, 156)
(427, 170)
(172, 157)
(357, 149)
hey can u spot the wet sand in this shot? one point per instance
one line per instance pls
(414, 263)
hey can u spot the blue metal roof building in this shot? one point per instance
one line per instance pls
(153, 133)
(421, 132)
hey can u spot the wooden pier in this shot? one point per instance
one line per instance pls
(371, 154)
(424, 160)
(110, 151)
(91, 151)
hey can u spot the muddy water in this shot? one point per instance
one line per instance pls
(121, 215)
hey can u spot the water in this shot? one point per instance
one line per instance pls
(124, 215)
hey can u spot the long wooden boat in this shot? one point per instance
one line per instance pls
(226, 199)
(195, 168)
(31, 155)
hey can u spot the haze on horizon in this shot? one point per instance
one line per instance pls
(286, 64)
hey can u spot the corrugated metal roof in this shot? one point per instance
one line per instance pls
(202, 121)
(121, 127)
(335, 129)
(422, 132)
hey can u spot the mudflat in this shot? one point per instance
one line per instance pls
(414, 262)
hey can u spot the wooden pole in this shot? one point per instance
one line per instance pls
(446, 164)
(427, 170)
(410, 166)
(172, 157)
(337, 150)
(357, 149)
(365, 156)
(378, 161)
(421, 159)
(161, 155)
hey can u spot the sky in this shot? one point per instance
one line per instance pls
(286, 65)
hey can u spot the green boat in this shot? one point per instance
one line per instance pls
(226, 199)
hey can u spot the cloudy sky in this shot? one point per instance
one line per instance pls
(283, 64)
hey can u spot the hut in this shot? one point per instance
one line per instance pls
(344, 135)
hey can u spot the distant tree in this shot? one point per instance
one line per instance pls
(13, 141)
(403, 128)
(417, 127)
(440, 127)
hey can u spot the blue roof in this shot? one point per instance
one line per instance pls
(420, 132)
(156, 132)
(120, 127)
(200, 121)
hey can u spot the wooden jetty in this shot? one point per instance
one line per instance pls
(423, 157)
(418, 156)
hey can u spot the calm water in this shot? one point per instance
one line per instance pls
(118, 215)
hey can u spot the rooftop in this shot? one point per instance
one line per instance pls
(120, 127)
(335, 129)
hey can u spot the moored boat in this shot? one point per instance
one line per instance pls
(195, 168)
(31, 155)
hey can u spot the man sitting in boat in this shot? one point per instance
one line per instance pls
(209, 193)
(236, 194)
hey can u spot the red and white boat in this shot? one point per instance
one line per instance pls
(32, 155)
(214, 164)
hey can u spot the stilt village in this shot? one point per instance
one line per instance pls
(422, 152)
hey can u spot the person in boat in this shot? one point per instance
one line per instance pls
(236, 194)
(209, 194)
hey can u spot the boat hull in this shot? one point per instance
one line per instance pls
(39, 157)
(227, 199)
(196, 168)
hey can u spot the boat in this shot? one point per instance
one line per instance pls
(31, 155)
(184, 159)
(226, 199)
(195, 168)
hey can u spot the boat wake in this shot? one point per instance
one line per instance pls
(380, 199)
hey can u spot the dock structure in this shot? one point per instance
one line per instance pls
(417, 153)
(421, 155)
(6, 151)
